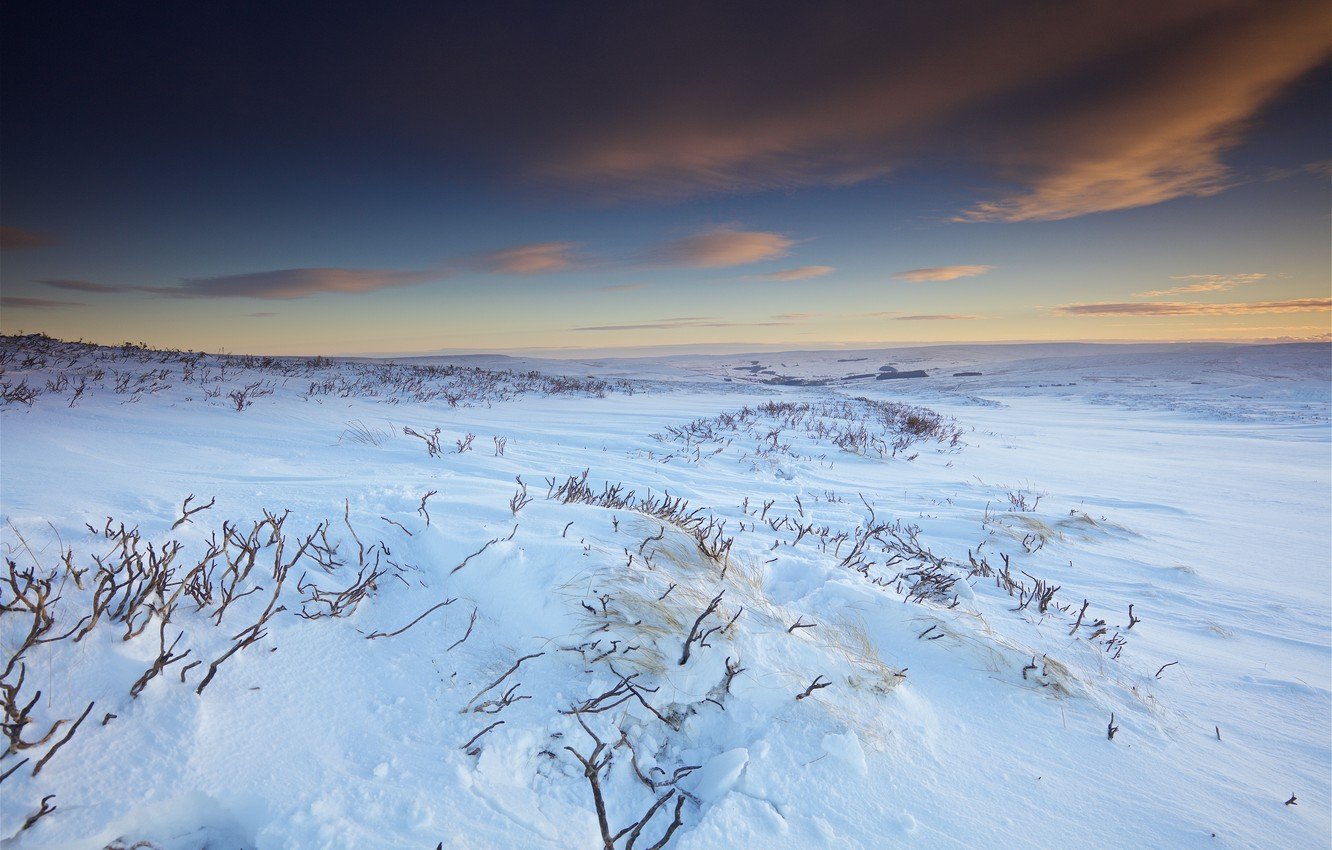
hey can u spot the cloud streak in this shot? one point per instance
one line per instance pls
(938, 317)
(1191, 308)
(287, 284)
(18, 239)
(1147, 144)
(82, 285)
(1204, 283)
(1088, 108)
(679, 322)
(23, 302)
(720, 248)
(800, 273)
(941, 273)
(538, 258)
(1064, 109)
(717, 249)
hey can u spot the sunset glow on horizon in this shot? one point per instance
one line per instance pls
(536, 177)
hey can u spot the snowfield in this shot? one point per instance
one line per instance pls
(1084, 596)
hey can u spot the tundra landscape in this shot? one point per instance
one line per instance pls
(665, 426)
(278, 602)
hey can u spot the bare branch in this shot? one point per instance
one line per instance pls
(432, 608)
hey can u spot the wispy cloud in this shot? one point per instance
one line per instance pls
(1155, 143)
(621, 287)
(794, 317)
(800, 273)
(937, 317)
(82, 285)
(1100, 107)
(720, 248)
(20, 301)
(18, 239)
(286, 284)
(1204, 283)
(678, 322)
(937, 273)
(262, 315)
(537, 258)
(1190, 308)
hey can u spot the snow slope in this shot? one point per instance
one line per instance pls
(874, 654)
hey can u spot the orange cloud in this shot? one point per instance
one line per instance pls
(18, 239)
(937, 317)
(1153, 143)
(538, 258)
(285, 284)
(942, 273)
(677, 323)
(1190, 308)
(1204, 283)
(621, 287)
(1083, 108)
(719, 249)
(801, 273)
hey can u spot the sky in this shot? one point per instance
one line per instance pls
(338, 178)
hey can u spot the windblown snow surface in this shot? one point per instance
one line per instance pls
(1080, 598)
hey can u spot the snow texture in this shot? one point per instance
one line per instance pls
(1083, 596)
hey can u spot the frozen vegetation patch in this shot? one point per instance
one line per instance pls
(859, 426)
(34, 365)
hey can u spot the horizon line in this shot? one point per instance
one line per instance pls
(725, 349)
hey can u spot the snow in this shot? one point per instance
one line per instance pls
(1191, 482)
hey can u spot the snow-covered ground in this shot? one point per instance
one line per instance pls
(868, 625)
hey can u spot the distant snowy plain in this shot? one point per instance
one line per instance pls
(1081, 598)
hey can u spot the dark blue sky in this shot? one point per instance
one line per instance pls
(339, 178)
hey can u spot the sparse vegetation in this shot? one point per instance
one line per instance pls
(78, 370)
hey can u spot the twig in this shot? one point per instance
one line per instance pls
(186, 513)
(489, 543)
(422, 510)
(429, 610)
(813, 686)
(1085, 603)
(506, 675)
(732, 670)
(1163, 666)
(5, 775)
(58, 744)
(46, 810)
(187, 667)
(670, 830)
(467, 634)
(1031, 666)
(468, 745)
(693, 631)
